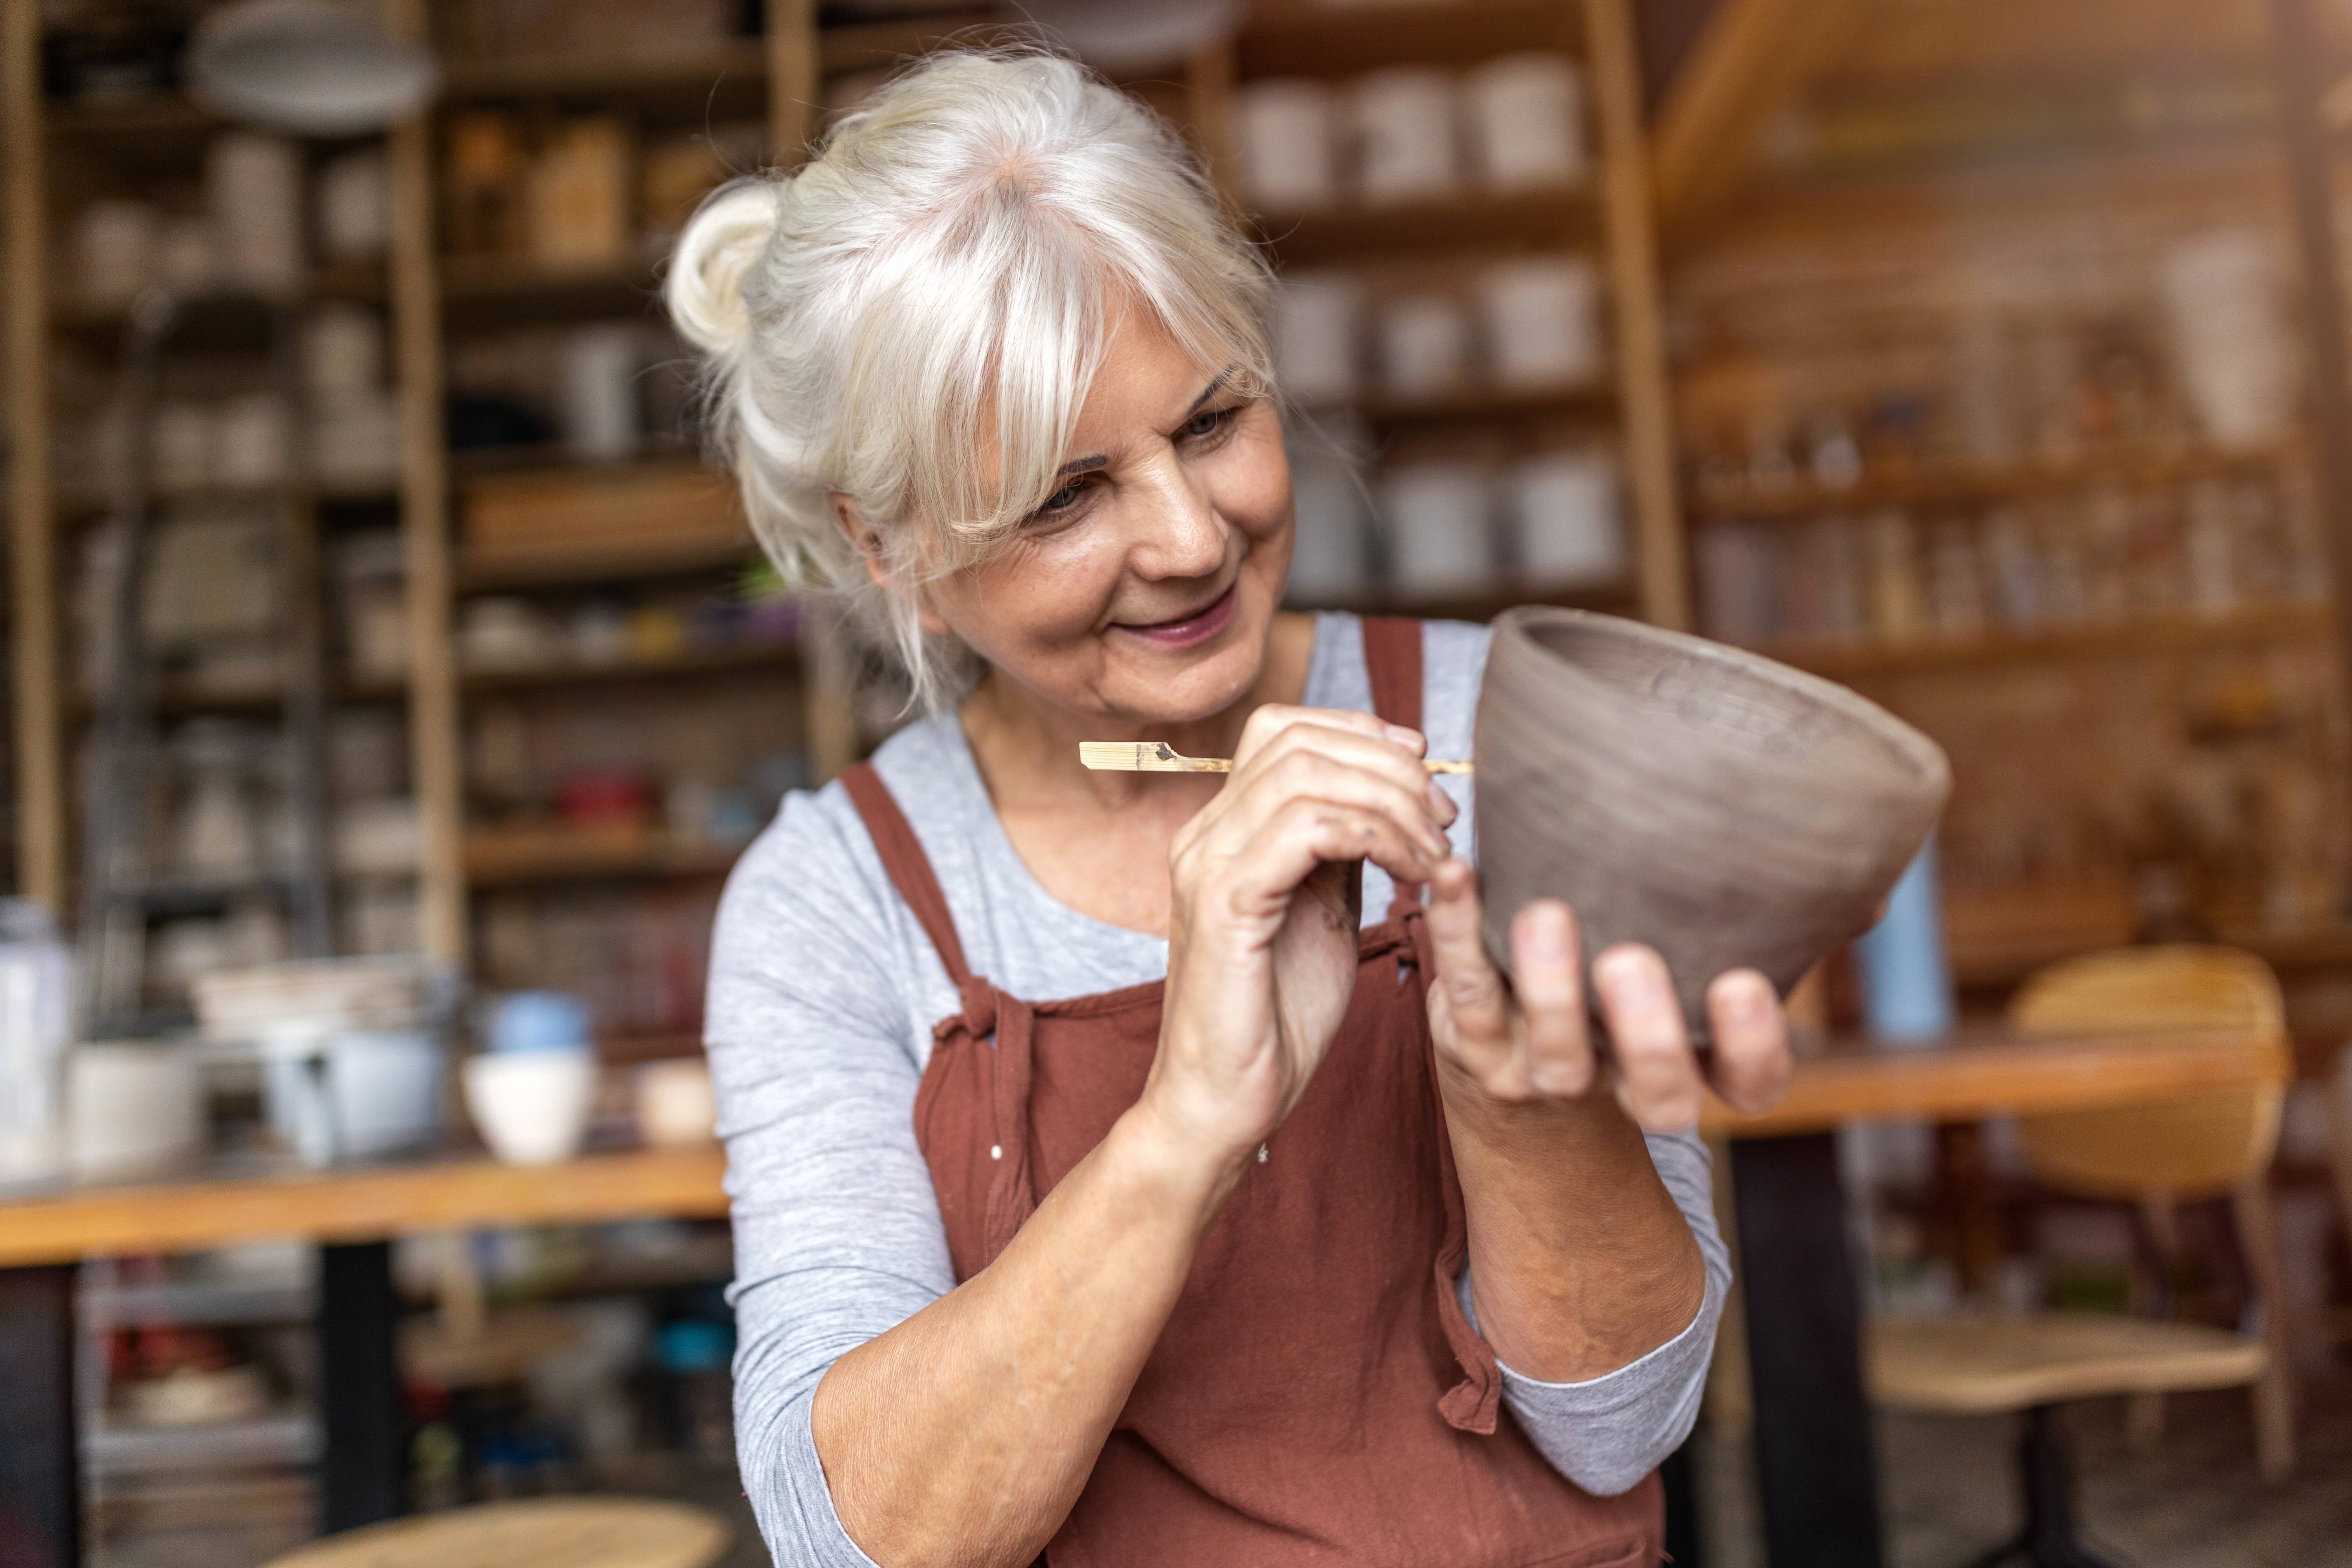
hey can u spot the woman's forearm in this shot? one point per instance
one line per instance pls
(964, 1435)
(1579, 1262)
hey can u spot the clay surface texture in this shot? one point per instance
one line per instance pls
(1723, 808)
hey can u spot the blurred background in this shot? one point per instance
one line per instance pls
(371, 601)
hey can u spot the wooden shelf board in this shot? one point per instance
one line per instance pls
(1487, 403)
(602, 75)
(877, 46)
(1485, 604)
(511, 856)
(452, 1193)
(1929, 484)
(1552, 219)
(2171, 633)
(749, 655)
(1306, 39)
(1973, 1076)
(477, 572)
(142, 117)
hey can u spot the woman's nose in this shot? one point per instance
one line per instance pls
(1179, 533)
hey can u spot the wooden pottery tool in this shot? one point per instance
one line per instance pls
(1154, 757)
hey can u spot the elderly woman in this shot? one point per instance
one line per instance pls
(1139, 1169)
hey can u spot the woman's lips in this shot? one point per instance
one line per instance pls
(1194, 628)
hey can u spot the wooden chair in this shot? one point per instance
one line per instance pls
(543, 1532)
(2155, 1155)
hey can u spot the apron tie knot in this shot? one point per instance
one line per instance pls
(979, 1007)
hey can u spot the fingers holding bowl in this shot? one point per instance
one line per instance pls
(1658, 1078)
(1752, 1065)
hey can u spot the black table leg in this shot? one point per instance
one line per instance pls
(40, 1457)
(362, 1478)
(1681, 1508)
(1813, 1451)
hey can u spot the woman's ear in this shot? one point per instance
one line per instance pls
(869, 546)
(861, 538)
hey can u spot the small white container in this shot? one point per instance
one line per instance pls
(251, 444)
(531, 1107)
(675, 1106)
(253, 190)
(1441, 540)
(1284, 127)
(114, 245)
(383, 1088)
(342, 354)
(599, 393)
(134, 1109)
(1567, 522)
(1424, 345)
(1327, 562)
(354, 207)
(1525, 114)
(1405, 142)
(1315, 321)
(1543, 322)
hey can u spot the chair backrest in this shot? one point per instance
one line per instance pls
(2195, 1147)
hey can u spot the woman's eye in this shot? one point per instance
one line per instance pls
(1205, 424)
(1066, 498)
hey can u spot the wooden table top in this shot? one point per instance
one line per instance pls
(1969, 1076)
(1986, 1072)
(361, 1204)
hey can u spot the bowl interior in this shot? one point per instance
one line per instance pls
(1750, 711)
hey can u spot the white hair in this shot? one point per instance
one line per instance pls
(915, 316)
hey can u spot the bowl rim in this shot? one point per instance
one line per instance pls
(1924, 756)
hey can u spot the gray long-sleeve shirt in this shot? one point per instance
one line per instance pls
(823, 990)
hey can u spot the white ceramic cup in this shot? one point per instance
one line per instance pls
(1315, 318)
(1284, 127)
(1405, 142)
(676, 1107)
(1425, 344)
(1438, 535)
(134, 1109)
(1525, 115)
(383, 1087)
(531, 1107)
(1566, 521)
(1543, 322)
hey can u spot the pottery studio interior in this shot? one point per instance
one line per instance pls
(1924, 430)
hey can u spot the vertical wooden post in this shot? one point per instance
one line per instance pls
(792, 86)
(40, 739)
(1643, 406)
(433, 713)
(2299, 59)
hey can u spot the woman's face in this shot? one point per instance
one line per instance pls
(1146, 588)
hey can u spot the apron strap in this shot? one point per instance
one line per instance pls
(1393, 658)
(909, 867)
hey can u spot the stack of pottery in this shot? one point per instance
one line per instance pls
(1728, 811)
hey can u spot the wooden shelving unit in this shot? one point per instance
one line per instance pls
(1803, 145)
(1605, 217)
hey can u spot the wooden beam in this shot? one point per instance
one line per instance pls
(1644, 403)
(41, 829)
(1750, 61)
(794, 92)
(2299, 56)
(434, 716)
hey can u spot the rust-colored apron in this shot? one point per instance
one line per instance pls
(1318, 1395)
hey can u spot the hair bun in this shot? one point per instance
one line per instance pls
(714, 259)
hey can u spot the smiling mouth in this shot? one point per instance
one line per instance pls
(1193, 626)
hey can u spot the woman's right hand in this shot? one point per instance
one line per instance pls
(1267, 884)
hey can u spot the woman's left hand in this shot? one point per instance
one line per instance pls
(1529, 1042)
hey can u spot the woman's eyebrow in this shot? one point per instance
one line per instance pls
(1089, 464)
(1214, 387)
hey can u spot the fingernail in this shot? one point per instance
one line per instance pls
(1410, 739)
(1750, 1000)
(1442, 805)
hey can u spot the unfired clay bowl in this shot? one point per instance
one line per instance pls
(1725, 809)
